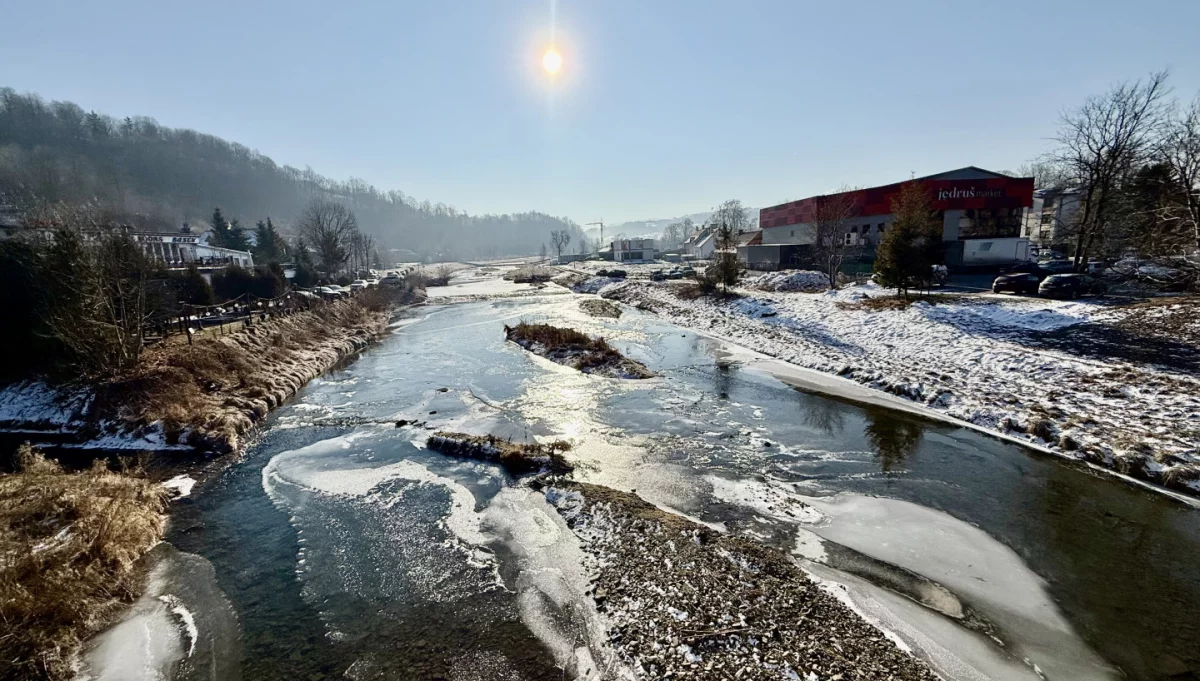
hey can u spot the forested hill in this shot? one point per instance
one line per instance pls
(146, 174)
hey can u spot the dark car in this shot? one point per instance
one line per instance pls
(1020, 282)
(1071, 286)
(617, 274)
(1028, 268)
(658, 275)
(1057, 267)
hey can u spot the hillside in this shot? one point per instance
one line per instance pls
(149, 175)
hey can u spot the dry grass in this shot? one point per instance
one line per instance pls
(598, 307)
(556, 337)
(881, 303)
(69, 544)
(211, 393)
(516, 458)
(576, 349)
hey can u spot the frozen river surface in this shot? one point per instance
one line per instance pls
(341, 548)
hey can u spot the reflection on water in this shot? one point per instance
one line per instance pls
(893, 436)
(1118, 562)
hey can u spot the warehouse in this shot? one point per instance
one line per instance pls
(982, 214)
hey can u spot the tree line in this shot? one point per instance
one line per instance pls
(141, 173)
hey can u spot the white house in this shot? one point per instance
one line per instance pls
(181, 249)
(700, 245)
(1049, 223)
(633, 250)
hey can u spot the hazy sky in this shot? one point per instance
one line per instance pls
(662, 107)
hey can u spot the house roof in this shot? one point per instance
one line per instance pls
(750, 238)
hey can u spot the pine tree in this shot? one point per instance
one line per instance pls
(269, 246)
(912, 244)
(226, 234)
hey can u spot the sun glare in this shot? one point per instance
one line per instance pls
(552, 61)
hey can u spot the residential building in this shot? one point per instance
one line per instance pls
(1049, 222)
(982, 215)
(700, 244)
(633, 250)
(184, 249)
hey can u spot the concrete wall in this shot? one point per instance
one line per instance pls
(788, 234)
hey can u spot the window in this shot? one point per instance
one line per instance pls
(854, 229)
(985, 247)
(793, 232)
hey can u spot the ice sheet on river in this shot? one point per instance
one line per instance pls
(182, 628)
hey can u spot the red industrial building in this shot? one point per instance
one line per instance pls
(982, 214)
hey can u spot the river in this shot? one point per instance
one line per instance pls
(344, 549)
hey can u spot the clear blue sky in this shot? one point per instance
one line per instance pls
(662, 108)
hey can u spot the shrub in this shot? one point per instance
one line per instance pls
(232, 282)
(69, 543)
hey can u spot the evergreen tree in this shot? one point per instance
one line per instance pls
(195, 289)
(269, 246)
(306, 269)
(727, 268)
(912, 244)
(227, 234)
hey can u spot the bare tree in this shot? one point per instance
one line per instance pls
(1101, 142)
(559, 238)
(98, 298)
(732, 214)
(1180, 150)
(329, 228)
(673, 235)
(831, 230)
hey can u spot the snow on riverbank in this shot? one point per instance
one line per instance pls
(971, 359)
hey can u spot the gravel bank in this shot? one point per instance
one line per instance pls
(685, 602)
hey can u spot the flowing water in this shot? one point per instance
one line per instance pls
(348, 550)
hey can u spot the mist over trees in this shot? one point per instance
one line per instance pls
(136, 171)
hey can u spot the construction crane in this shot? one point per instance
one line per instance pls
(601, 223)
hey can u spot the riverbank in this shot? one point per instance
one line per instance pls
(71, 544)
(1069, 377)
(70, 550)
(203, 398)
(684, 601)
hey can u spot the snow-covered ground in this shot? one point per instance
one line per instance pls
(974, 359)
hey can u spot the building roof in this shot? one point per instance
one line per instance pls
(963, 188)
(750, 238)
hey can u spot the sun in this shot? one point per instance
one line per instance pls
(552, 61)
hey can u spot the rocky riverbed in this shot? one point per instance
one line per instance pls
(684, 601)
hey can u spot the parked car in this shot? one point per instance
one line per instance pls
(358, 284)
(618, 274)
(687, 271)
(658, 275)
(329, 292)
(1019, 282)
(940, 275)
(1027, 268)
(392, 280)
(675, 274)
(1057, 266)
(1071, 286)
